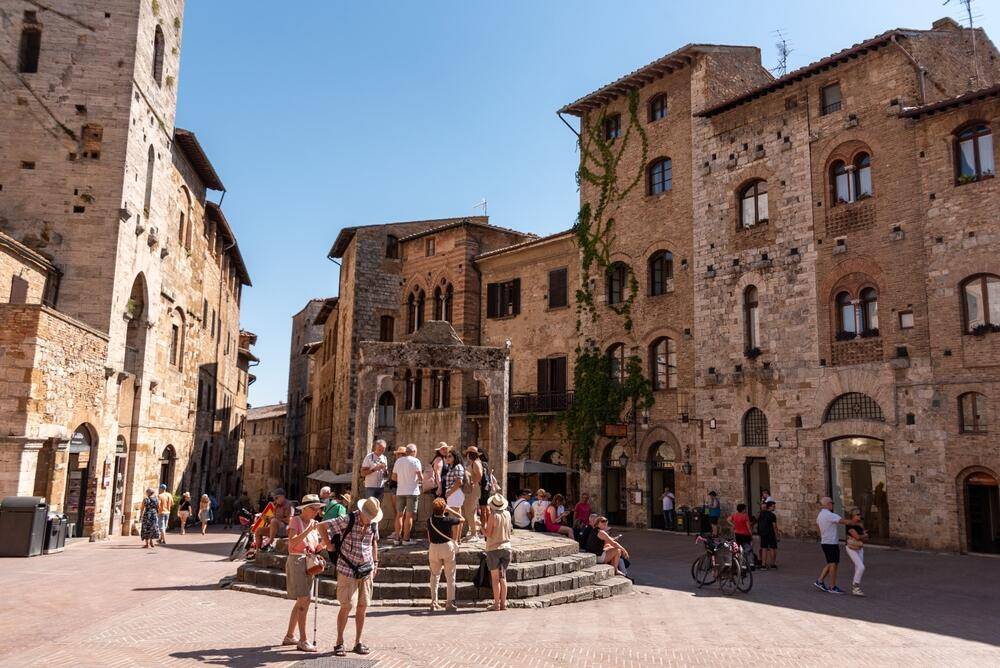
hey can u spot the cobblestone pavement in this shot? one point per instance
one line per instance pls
(115, 604)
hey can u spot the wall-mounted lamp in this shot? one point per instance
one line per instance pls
(712, 423)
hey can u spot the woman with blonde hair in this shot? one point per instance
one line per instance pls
(303, 544)
(538, 508)
(150, 527)
(204, 512)
(442, 528)
(606, 548)
(856, 537)
(184, 510)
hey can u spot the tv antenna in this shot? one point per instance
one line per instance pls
(482, 205)
(781, 69)
(970, 17)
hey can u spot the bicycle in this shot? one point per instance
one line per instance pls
(732, 573)
(246, 540)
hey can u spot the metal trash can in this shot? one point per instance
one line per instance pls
(695, 519)
(55, 534)
(22, 525)
(682, 521)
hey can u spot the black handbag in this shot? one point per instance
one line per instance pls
(482, 578)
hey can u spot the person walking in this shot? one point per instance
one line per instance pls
(408, 474)
(150, 530)
(228, 507)
(204, 512)
(471, 502)
(538, 508)
(375, 468)
(714, 508)
(164, 502)
(498, 550)
(827, 521)
(184, 511)
(356, 566)
(521, 515)
(303, 540)
(669, 514)
(742, 534)
(442, 527)
(856, 537)
(554, 519)
(767, 529)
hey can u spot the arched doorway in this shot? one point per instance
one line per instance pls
(613, 482)
(79, 498)
(661, 462)
(135, 336)
(982, 512)
(168, 465)
(553, 483)
(118, 486)
(857, 477)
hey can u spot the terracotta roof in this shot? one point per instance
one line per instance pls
(325, 311)
(267, 412)
(346, 234)
(215, 212)
(449, 223)
(819, 66)
(676, 60)
(957, 101)
(189, 145)
(525, 244)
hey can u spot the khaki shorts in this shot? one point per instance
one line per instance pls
(351, 591)
(407, 504)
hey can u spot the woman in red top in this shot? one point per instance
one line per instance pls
(740, 522)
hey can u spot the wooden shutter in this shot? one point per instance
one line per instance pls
(543, 376)
(557, 288)
(18, 290)
(516, 296)
(493, 300)
(558, 370)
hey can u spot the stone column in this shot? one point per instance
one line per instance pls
(372, 382)
(495, 382)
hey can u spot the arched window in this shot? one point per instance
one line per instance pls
(841, 183)
(442, 302)
(974, 154)
(30, 47)
(868, 311)
(440, 389)
(658, 107)
(386, 418)
(158, 46)
(414, 386)
(184, 219)
(150, 166)
(853, 406)
(415, 310)
(751, 318)
(661, 271)
(661, 176)
(862, 176)
(616, 362)
(846, 321)
(663, 363)
(617, 277)
(755, 429)
(392, 247)
(753, 204)
(177, 339)
(981, 303)
(972, 413)
(167, 463)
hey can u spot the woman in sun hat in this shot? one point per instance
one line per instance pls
(498, 550)
(303, 539)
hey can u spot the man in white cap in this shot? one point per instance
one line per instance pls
(356, 566)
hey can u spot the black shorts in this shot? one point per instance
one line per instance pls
(768, 541)
(832, 553)
(712, 519)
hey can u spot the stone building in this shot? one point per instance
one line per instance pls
(305, 332)
(121, 352)
(264, 452)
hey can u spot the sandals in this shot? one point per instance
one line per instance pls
(361, 648)
(306, 646)
(288, 640)
(338, 650)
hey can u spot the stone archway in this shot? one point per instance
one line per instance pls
(435, 346)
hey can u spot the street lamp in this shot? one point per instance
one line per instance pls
(622, 460)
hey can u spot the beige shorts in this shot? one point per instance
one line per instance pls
(351, 591)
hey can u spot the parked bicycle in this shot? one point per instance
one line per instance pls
(245, 543)
(724, 562)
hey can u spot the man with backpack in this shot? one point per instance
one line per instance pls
(354, 537)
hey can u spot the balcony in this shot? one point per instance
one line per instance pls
(521, 404)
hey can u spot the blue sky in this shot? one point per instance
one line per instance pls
(325, 114)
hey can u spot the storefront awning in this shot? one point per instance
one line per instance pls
(330, 478)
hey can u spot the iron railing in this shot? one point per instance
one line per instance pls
(553, 402)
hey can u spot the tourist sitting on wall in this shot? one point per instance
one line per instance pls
(442, 528)
(554, 520)
(583, 534)
(521, 510)
(538, 510)
(607, 549)
(303, 540)
(498, 549)
(283, 511)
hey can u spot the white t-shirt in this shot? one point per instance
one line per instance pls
(668, 501)
(375, 478)
(407, 470)
(828, 522)
(522, 513)
(538, 509)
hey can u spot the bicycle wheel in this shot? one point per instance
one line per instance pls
(702, 571)
(744, 578)
(241, 546)
(729, 577)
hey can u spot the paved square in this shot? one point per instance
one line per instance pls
(115, 604)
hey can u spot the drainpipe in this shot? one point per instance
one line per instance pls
(921, 70)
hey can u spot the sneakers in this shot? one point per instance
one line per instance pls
(856, 590)
(409, 542)
(836, 590)
(820, 585)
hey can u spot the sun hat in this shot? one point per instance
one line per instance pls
(371, 507)
(310, 500)
(442, 446)
(473, 449)
(498, 502)
(399, 451)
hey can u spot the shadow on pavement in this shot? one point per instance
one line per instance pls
(953, 595)
(193, 587)
(249, 657)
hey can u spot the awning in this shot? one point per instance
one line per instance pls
(529, 466)
(330, 478)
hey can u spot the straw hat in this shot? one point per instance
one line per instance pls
(399, 451)
(472, 450)
(310, 501)
(498, 502)
(442, 446)
(371, 507)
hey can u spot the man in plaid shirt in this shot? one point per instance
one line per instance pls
(360, 548)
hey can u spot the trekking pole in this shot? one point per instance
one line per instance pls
(315, 609)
